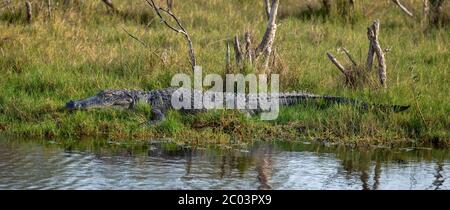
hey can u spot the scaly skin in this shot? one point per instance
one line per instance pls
(161, 101)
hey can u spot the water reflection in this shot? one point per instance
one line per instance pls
(264, 166)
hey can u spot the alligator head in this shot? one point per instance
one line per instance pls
(106, 98)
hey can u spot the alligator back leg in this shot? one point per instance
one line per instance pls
(160, 102)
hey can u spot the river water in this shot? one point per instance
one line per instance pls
(38, 164)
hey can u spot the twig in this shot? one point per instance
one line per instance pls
(110, 4)
(216, 41)
(248, 48)
(143, 44)
(135, 38)
(49, 8)
(238, 51)
(350, 57)
(267, 8)
(228, 59)
(337, 64)
(403, 8)
(181, 29)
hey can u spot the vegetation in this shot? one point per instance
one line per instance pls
(77, 49)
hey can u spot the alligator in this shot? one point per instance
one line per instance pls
(161, 101)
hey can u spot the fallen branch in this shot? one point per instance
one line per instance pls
(180, 29)
(403, 8)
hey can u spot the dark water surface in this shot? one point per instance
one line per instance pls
(107, 165)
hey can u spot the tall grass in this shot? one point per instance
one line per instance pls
(82, 49)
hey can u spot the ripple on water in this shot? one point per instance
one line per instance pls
(30, 165)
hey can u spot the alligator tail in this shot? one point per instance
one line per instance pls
(289, 99)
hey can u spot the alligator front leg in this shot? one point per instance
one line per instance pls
(157, 117)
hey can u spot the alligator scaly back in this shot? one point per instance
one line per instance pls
(161, 101)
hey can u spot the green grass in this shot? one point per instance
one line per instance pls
(82, 49)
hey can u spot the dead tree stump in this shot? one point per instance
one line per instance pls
(373, 32)
(250, 55)
(357, 74)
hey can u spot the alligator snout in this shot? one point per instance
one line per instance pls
(71, 105)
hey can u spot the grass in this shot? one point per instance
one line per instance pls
(82, 49)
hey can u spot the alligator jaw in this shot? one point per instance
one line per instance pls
(104, 99)
(88, 103)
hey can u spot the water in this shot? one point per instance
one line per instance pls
(106, 165)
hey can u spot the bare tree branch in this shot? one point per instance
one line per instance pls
(228, 58)
(350, 57)
(248, 48)
(403, 8)
(143, 44)
(238, 51)
(181, 29)
(267, 8)
(337, 64)
(110, 4)
(135, 38)
(269, 36)
(49, 8)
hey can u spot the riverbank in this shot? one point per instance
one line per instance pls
(82, 49)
